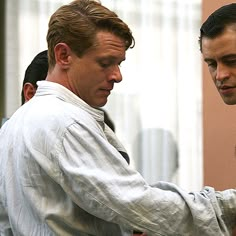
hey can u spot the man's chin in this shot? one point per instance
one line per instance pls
(100, 104)
(229, 101)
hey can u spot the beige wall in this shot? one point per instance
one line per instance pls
(219, 127)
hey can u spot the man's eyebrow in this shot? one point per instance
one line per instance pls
(208, 59)
(225, 57)
(111, 58)
(229, 56)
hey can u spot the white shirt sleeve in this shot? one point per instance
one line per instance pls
(98, 179)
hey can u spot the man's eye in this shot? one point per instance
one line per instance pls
(104, 65)
(211, 64)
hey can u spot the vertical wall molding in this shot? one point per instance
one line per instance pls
(2, 58)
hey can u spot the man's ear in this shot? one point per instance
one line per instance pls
(62, 55)
(29, 91)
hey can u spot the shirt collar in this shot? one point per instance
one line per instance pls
(51, 88)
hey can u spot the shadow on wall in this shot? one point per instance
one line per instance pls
(157, 155)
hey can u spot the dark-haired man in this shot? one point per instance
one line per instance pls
(218, 47)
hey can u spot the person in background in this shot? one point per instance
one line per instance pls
(61, 170)
(36, 71)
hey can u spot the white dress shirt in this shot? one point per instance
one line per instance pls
(61, 173)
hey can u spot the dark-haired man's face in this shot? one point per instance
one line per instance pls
(220, 55)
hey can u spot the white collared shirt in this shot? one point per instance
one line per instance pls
(61, 173)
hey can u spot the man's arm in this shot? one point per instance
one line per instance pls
(103, 180)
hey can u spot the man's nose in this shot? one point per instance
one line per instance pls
(222, 72)
(115, 74)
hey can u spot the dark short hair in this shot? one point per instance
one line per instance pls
(217, 22)
(37, 70)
